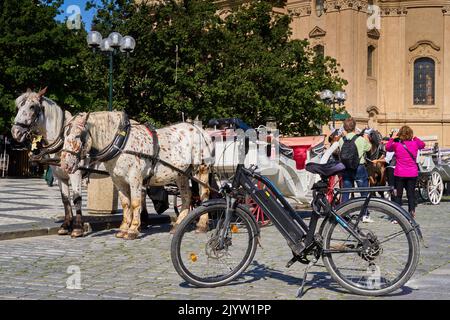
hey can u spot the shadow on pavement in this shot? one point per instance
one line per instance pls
(319, 280)
(153, 229)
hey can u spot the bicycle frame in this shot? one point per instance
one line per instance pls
(298, 234)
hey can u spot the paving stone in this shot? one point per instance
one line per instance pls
(36, 268)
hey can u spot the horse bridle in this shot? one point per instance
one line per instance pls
(30, 126)
(82, 136)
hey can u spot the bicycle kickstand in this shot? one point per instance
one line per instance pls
(300, 290)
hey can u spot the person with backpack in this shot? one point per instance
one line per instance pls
(352, 148)
(405, 146)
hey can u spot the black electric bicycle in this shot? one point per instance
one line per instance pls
(367, 259)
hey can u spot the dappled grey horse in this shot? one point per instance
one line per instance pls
(38, 115)
(182, 146)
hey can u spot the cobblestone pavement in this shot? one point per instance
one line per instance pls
(39, 267)
(24, 201)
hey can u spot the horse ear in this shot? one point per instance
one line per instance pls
(42, 92)
(84, 117)
(29, 90)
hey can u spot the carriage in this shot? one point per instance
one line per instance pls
(281, 159)
(434, 171)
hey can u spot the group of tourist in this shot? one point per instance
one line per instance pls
(399, 156)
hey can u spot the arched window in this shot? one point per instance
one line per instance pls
(319, 50)
(319, 7)
(424, 81)
(370, 61)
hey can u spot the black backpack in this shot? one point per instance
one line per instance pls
(349, 153)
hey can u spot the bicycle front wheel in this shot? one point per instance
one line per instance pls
(388, 257)
(221, 254)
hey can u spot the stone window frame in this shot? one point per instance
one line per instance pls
(374, 60)
(317, 45)
(434, 81)
(374, 44)
(424, 49)
(437, 78)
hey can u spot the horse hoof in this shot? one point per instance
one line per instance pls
(63, 231)
(121, 234)
(131, 236)
(76, 233)
(173, 229)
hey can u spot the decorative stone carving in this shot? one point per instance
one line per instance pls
(423, 43)
(300, 11)
(446, 10)
(391, 11)
(317, 32)
(373, 34)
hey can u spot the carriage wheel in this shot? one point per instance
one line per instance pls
(435, 188)
(423, 192)
(256, 210)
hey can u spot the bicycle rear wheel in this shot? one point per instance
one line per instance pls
(390, 254)
(201, 260)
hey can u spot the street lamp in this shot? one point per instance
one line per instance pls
(110, 45)
(330, 98)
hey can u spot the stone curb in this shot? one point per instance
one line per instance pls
(91, 224)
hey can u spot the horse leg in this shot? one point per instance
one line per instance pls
(144, 213)
(136, 202)
(203, 176)
(78, 230)
(124, 196)
(186, 195)
(67, 224)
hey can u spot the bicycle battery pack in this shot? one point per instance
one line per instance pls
(289, 227)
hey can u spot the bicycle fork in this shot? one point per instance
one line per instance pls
(231, 206)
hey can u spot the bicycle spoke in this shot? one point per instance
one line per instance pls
(378, 266)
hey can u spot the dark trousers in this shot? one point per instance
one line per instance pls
(359, 176)
(390, 176)
(410, 185)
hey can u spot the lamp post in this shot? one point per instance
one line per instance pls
(110, 45)
(330, 98)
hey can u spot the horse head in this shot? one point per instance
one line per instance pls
(29, 111)
(76, 143)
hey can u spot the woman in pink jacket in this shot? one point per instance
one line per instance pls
(406, 147)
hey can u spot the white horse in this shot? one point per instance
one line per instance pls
(184, 146)
(37, 115)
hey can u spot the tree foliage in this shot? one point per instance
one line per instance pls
(187, 60)
(244, 65)
(37, 51)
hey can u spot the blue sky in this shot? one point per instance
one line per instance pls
(86, 16)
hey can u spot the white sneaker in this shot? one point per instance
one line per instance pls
(366, 219)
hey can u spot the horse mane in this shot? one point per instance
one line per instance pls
(103, 126)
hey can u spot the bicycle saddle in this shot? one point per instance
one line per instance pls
(326, 169)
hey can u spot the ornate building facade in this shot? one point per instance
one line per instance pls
(398, 72)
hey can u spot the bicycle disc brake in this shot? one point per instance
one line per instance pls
(215, 250)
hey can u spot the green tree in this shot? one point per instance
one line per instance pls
(37, 51)
(242, 66)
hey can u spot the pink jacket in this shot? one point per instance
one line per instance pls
(405, 166)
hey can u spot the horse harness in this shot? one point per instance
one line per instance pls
(117, 146)
(52, 148)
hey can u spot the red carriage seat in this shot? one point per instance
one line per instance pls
(301, 146)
